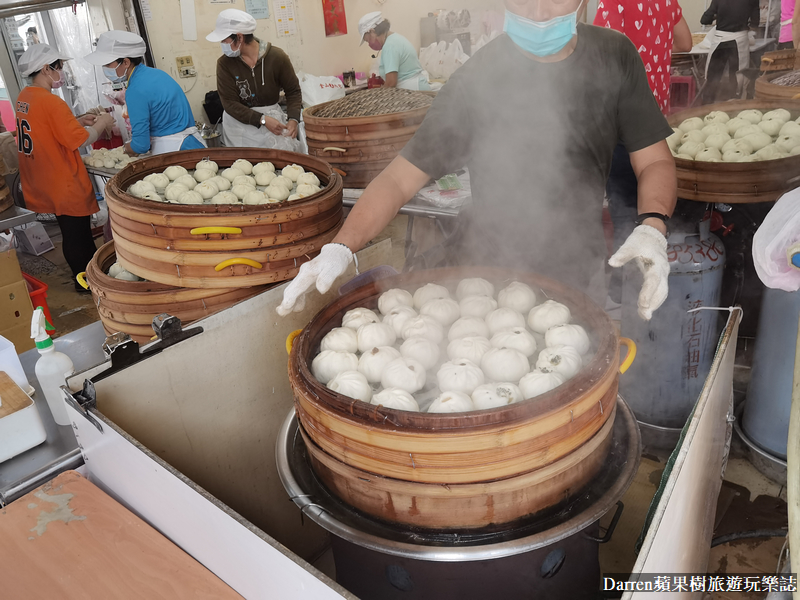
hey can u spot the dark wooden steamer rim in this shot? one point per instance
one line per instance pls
(597, 323)
(767, 90)
(225, 157)
(762, 181)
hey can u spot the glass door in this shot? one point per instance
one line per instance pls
(67, 29)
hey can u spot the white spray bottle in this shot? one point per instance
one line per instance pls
(52, 369)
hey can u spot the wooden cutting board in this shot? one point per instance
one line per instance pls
(68, 539)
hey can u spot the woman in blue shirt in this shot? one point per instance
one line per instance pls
(161, 119)
(399, 65)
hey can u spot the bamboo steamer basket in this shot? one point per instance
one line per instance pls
(457, 506)
(767, 90)
(735, 183)
(222, 246)
(457, 448)
(360, 147)
(130, 306)
(6, 200)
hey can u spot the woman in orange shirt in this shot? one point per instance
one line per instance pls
(54, 179)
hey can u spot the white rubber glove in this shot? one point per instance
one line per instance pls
(323, 270)
(649, 248)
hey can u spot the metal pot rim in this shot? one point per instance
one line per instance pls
(627, 433)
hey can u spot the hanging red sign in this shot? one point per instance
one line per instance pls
(335, 19)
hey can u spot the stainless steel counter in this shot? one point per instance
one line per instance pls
(60, 451)
(14, 216)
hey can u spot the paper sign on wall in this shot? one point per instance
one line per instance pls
(335, 19)
(146, 12)
(258, 9)
(285, 18)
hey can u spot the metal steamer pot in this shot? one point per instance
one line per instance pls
(394, 526)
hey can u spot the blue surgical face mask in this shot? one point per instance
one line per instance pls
(541, 38)
(111, 74)
(227, 50)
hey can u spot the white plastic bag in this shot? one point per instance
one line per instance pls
(436, 60)
(319, 89)
(779, 233)
(453, 58)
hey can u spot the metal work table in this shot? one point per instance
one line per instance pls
(416, 207)
(15, 216)
(60, 450)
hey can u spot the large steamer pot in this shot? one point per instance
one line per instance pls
(360, 147)
(733, 183)
(517, 460)
(131, 306)
(551, 555)
(767, 90)
(221, 246)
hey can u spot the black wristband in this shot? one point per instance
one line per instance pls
(640, 219)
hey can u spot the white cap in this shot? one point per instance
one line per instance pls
(37, 56)
(116, 44)
(368, 23)
(229, 22)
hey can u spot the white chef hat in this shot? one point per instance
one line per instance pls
(37, 56)
(229, 22)
(116, 44)
(368, 23)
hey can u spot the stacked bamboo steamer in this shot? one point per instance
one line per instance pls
(362, 133)
(767, 90)
(736, 182)
(131, 306)
(224, 245)
(6, 200)
(199, 259)
(462, 470)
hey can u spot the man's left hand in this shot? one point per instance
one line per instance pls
(291, 128)
(648, 247)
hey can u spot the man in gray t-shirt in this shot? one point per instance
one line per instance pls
(535, 115)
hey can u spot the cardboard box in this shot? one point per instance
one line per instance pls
(16, 312)
(9, 268)
(33, 239)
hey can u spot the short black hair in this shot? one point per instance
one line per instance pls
(59, 64)
(382, 27)
(246, 37)
(135, 60)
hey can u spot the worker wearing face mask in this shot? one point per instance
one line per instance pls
(250, 76)
(54, 179)
(160, 115)
(399, 66)
(538, 159)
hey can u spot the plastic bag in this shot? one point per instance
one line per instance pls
(453, 58)
(317, 90)
(777, 235)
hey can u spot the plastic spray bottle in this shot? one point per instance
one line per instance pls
(52, 369)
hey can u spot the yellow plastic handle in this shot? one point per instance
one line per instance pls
(81, 277)
(238, 261)
(631, 356)
(796, 97)
(333, 149)
(290, 340)
(205, 230)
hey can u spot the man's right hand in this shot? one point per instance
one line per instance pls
(322, 271)
(273, 125)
